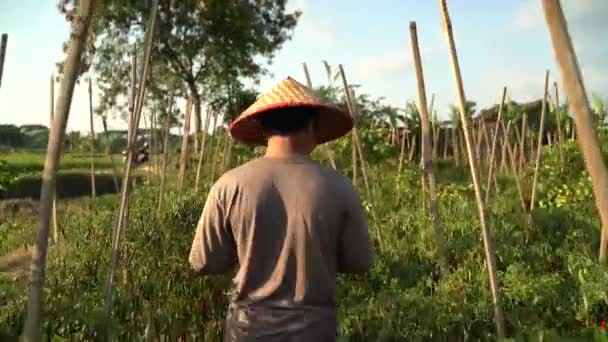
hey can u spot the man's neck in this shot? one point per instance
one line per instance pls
(283, 147)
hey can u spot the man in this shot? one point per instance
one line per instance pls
(287, 224)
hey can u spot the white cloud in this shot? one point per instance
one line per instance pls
(383, 65)
(579, 14)
(588, 28)
(393, 63)
(311, 28)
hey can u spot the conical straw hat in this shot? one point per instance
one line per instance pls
(332, 121)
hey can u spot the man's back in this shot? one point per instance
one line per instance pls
(290, 225)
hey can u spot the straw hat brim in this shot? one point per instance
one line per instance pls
(332, 124)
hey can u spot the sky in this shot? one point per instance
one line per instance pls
(499, 43)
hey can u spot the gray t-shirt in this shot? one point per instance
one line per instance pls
(288, 225)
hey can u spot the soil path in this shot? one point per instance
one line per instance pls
(17, 262)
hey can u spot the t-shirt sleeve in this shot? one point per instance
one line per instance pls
(355, 252)
(213, 248)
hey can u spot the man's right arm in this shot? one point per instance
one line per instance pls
(355, 254)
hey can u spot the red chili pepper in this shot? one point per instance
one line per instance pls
(181, 338)
(201, 305)
(603, 325)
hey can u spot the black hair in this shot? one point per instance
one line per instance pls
(286, 121)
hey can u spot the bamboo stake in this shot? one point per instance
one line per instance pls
(124, 196)
(324, 147)
(228, 158)
(133, 95)
(579, 104)
(436, 130)
(486, 139)
(494, 143)
(54, 206)
(412, 148)
(183, 160)
(486, 232)
(478, 142)
(146, 129)
(33, 322)
(522, 143)
(3, 43)
(513, 160)
(167, 128)
(510, 148)
(560, 136)
(445, 143)
(352, 109)
(455, 147)
(109, 141)
(218, 142)
(426, 162)
(539, 147)
(153, 148)
(402, 152)
(201, 156)
(503, 156)
(93, 188)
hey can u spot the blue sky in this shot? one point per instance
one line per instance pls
(500, 43)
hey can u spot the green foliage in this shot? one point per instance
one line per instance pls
(551, 281)
(567, 184)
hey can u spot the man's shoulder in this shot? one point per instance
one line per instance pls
(238, 175)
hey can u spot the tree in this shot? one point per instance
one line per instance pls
(198, 40)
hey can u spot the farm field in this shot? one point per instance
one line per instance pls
(552, 284)
(488, 214)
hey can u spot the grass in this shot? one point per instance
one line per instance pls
(32, 162)
(547, 266)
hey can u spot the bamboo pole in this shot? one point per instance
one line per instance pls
(486, 139)
(402, 152)
(183, 160)
(494, 143)
(33, 322)
(133, 94)
(486, 232)
(511, 148)
(146, 128)
(522, 143)
(579, 104)
(539, 147)
(324, 147)
(445, 143)
(412, 148)
(109, 152)
(503, 155)
(3, 43)
(153, 141)
(124, 196)
(426, 162)
(435, 129)
(228, 158)
(167, 129)
(455, 147)
(560, 136)
(201, 155)
(513, 160)
(358, 149)
(54, 205)
(93, 188)
(217, 144)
